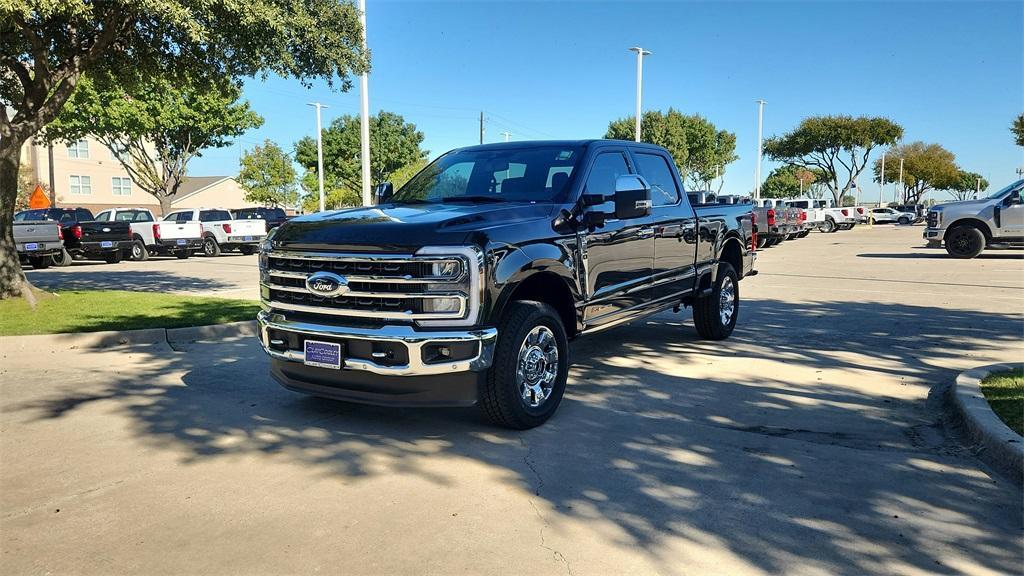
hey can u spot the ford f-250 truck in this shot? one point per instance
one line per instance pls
(465, 286)
(163, 238)
(971, 226)
(38, 242)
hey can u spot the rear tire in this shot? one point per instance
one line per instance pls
(182, 254)
(62, 259)
(715, 315)
(904, 220)
(761, 242)
(965, 242)
(211, 247)
(803, 234)
(139, 251)
(113, 257)
(829, 226)
(524, 385)
(247, 250)
(40, 262)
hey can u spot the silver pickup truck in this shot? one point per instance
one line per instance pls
(967, 228)
(38, 242)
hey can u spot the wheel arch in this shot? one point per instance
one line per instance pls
(973, 223)
(542, 286)
(732, 253)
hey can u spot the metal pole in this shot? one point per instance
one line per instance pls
(319, 153)
(364, 124)
(640, 53)
(757, 168)
(899, 190)
(53, 188)
(979, 188)
(507, 135)
(481, 126)
(881, 183)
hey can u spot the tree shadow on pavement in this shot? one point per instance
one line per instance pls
(780, 472)
(116, 278)
(943, 255)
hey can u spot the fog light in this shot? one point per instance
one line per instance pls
(441, 305)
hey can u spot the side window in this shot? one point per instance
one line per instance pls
(607, 168)
(83, 215)
(141, 216)
(654, 167)
(126, 216)
(172, 217)
(103, 216)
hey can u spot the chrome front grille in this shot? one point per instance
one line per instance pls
(385, 287)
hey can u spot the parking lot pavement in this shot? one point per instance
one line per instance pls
(809, 443)
(230, 275)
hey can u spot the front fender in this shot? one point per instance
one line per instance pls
(509, 266)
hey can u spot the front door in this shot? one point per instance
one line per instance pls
(1012, 216)
(618, 257)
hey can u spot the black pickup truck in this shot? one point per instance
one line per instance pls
(465, 286)
(83, 235)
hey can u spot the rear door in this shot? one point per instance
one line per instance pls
(618, 258)
(675, 225)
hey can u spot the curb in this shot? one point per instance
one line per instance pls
(100, 340)
(994, 442)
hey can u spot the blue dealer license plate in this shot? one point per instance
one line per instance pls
(182, 241)
(106, 244)
(247, 239)
(322, 354)
(31, 246)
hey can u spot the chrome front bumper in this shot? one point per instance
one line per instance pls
(408, 336)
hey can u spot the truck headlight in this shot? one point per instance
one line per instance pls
(455, 271)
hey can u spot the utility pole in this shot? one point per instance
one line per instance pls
(900, 188)
(718, 174)
(978, 193)
(481, 126)
(757, 169)
(319, 153)
(364, 124)
(53, 188)
(507, 135)
(881, 183)
(640, 53)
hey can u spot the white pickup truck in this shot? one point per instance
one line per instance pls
(221, 232)
(815, 214)
(836, 218)
(152, 237)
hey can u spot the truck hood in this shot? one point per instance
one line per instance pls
(962, 205)
(403, 228)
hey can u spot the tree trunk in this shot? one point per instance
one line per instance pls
(165, 205)
(12, 279)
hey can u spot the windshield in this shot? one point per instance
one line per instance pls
(1006, 190)
(535, 174)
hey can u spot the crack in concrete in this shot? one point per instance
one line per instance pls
(544, 523)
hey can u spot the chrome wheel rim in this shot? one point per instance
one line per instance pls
(208, 247)
(537, 366)
(136, 251)
(727, 301)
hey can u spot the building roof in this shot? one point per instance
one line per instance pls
(196, 184)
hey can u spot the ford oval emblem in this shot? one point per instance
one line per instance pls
(326, 284)
(106, 229)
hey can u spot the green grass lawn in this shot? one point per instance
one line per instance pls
(1005, 393)
(98, 310)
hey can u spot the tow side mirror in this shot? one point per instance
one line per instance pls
(1013, 199)
(384, 192)
(632, 197)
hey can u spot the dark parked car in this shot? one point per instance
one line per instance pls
(274, 217)
(83, 235)
(466, 285)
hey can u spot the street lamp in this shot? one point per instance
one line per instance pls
(757, 169)
(319, 153)
(364, 117)
(640, 53)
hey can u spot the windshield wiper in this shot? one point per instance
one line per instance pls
(473, 199)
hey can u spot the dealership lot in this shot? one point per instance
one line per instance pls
(808, 443)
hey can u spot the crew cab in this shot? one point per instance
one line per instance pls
(814, 217)
(83, 235)
(272, 217)
(836, 218)
(465, 286)
(967, 228)
(890, 215)
(37, 242)
(221, 232)
(151, 237)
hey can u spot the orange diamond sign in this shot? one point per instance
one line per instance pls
(39, 199)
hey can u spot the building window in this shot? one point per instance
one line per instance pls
(81, 185)
(79, 149)
(121, 186)
(119, 153)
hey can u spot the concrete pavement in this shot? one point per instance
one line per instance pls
(809, 443)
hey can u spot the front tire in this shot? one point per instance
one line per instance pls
(211, 247)
(904, 220)
(139, 251)
(715, 315)
(965, 242)
(524, 385)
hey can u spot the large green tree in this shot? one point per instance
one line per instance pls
(268, 176)
(966, 185)
(838, 147)
(394, 144)
(700, 149)
(925, 167)
(787, 182)
(156, 125)
(46, 46)
(1017, 128)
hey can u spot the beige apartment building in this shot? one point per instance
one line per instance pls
(88, 174)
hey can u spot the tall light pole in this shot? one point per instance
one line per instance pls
(978, 193)
(640, 53)
(507, 135)
(364, 111)
(901, 177)
(757, 168)
(319, 153)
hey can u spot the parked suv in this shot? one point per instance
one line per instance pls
(966, 228)
(466, 285)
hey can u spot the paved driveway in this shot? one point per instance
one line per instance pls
(230, 275)
(809, 443)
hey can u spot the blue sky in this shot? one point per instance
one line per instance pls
(948, 72)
